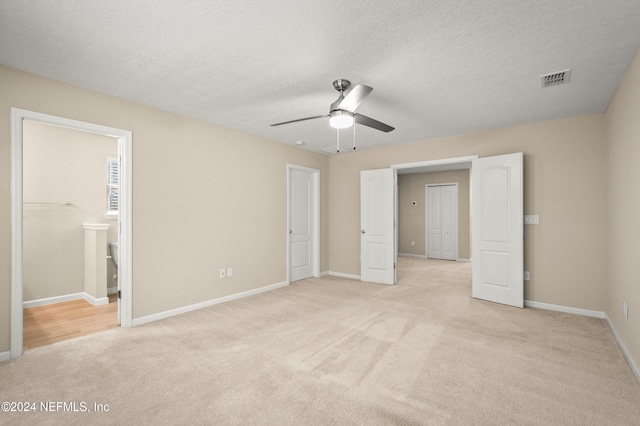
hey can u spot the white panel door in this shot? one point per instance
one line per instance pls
(442, 222)
(449, 202)
(301, 223)
(377, 231)
(434, 222)
(497, 194)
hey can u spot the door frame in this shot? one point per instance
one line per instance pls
(426, 217)
(437, 165)
(125, 275)
(315, 213)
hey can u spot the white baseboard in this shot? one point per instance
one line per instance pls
(341, 275)
(111, 290)
(419, 256)
(422, 256)
(51, 300)
(565, 309)
(94, 301)
(5, 356)
(626, 354)
(589, 313)
(324, 274)
(65, 298)
(196, 306)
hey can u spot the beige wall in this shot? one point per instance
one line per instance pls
(61, 164)
(204, 197)
(411, 218)
(564, 179)
(623, 143)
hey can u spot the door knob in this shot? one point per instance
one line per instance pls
(291, 231)
(362, 232)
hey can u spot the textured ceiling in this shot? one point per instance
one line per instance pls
(438, 68)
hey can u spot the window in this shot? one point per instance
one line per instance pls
(113, 167)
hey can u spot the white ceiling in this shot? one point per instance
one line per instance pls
(438, 68)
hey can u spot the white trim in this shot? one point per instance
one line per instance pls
(565, 309)
(417, 256)
(51, 300)
(65, 298)
(125, 150)
(196, 306)
(94, 301)
(342, 275)
(439, 162)
(316, 219)
(593, 314)
(111, 290)
(5, 356)
(461, 259)
(626, 354)
(324, 274)
(95, 226)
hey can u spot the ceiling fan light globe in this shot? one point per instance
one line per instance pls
(341, 121)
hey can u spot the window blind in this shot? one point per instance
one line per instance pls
(113, 167)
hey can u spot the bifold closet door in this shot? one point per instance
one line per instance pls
(442, 222)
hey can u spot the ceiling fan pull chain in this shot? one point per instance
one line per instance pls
(354, 135)
(338, 146)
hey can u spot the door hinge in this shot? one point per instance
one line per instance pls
(394, 266)
(119, 295)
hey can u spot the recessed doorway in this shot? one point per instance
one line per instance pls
(123, 226)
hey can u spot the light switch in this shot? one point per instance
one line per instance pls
(531, 219)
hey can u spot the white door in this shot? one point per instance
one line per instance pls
(377, 226)
(434, 222)
(497, 194)
(442, 222)
(301, 224)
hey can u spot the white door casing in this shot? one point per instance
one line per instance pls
(442, 221)
(497, 231)
(125, 275)
(377, 226)
(300, 227)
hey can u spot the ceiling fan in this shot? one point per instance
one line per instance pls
(342, 113)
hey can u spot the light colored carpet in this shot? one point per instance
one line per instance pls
(334, 351)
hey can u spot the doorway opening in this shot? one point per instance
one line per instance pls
(497, 212)
(415, 210)
(28, 224)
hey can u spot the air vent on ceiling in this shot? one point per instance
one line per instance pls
(555, 78)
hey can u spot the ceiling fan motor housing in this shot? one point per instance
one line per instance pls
(341, 84)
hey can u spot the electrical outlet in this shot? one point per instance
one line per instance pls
(531, 219)
(229, 272)
(527, 275)
(625, 310)
(222, 273)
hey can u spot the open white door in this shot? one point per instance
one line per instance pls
(377, 221)
(497, 194)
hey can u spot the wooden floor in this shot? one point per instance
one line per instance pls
(48, 324)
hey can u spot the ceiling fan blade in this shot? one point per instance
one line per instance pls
(370, 122)
(300, 119)
(354, 98)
